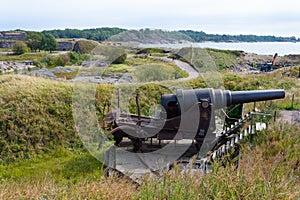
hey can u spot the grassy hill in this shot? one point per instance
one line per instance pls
(36, 115)
(41, 155)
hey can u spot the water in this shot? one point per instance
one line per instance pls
(263, 48)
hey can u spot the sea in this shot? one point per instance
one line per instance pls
(263, 48)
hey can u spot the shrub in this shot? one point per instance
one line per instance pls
(20, 48)
(155, 72)
(53, 61)
(61, 60)
(76, 58)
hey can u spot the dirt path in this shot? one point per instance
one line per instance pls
(187, 68)
(184, 67)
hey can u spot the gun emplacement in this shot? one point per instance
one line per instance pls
(188, 112)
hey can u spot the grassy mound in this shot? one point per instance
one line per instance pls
(85, 46)
(207, 59)
(35, 115)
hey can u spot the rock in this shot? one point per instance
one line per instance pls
(44, 72)
(61, 69)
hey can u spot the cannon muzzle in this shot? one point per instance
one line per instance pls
(183, 100)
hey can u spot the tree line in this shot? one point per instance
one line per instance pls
(98, 34)
(41, 41)
(101, 34)
(200, 36)
(35, 41)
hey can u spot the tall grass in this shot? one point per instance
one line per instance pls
(269, 169)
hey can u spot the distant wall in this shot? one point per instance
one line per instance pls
(7, 44)
(15, 35)
(65, 45)
(8, 39)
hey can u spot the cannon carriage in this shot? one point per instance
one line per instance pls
(188, 114)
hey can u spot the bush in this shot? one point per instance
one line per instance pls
(20, 48)
(53, 61)
(155, 72)
(61, 60)
(76, 58)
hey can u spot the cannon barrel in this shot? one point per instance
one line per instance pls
(183, 100)
(253, 96)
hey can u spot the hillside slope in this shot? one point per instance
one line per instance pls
(35, 115)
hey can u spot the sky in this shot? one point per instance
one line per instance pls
(260, 17)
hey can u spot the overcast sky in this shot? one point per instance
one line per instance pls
(261, 17)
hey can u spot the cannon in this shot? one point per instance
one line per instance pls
(188, 114)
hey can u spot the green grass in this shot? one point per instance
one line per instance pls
(224, 58)
(151, 51)
(60, 174)
(114, 68)
(207, 59)
(37, 56)
(294, 71)
(61, 164)
(155, 72)
(35, 115)
(142, 60)
(148, 69)
(5, 50)
(67, 75)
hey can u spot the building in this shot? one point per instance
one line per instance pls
(7, 44)
(8, 39)
(13, 35)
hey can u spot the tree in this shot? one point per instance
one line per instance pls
(34, 40)
(48, 42)
(20, 48)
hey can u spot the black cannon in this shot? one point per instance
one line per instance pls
(188, 114)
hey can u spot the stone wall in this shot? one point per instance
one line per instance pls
(8, 39)
(7, 44)
(15, 35)
(65, 45)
